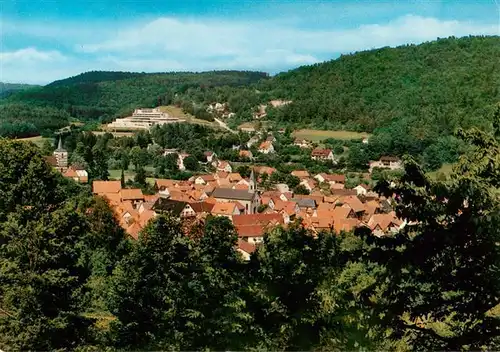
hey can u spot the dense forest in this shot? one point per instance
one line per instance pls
(105, 95)
(24, 120)
(7, 89)
(70, 279)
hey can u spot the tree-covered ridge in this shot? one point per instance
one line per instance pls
(7, 89)
(435, 87)
(23, 120)
(95, 77)
(94, 96)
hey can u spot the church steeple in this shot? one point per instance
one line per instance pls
(59, 145)
(253, 183)
(61, 156)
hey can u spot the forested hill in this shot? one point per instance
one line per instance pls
(95, 77)
(436, 85)
(104, 95)
(7, 89)
(408, 96)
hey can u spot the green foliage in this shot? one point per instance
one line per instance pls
(7, 89)
(148, 288)
(191, 163)
(300, 189)
(41, 281)
(104, 95)
(23, 120)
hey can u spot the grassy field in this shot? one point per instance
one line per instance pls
(177, 112)
(116, 174)
(446, 169)
(38, 140)
(319, 135)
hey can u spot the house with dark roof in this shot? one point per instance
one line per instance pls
(322, 154)
(305, 203)
(250, 200)
(174, 207)
(202, 207)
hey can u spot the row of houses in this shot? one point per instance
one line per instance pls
(253, 212)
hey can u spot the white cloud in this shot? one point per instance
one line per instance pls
(265, 44)
(30, 55)
(177, 44)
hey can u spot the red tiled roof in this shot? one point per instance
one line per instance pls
(224, 208)
(250, 231)
(334, 178)
(265, 145)
(234, 177)
(389, 158)
(131, 194)
(113, 198)
(101, 187)
(264, 170)
(70, 173)
(383, 221)
(151, 198)
(222, 174)
(321, 152)
(207, 178)
(354, 203)
(300, 173)
(180, 196)
(202, 207)
(246, 247)
(246, 154)
(241, 186)
(343, 192)
(164, 183)
(133, 230)
(254, 219)
(347, 225)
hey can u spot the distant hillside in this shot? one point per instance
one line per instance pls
(411, 97)
(7, 89)
(104, 95)
(95, 77)
(440, 82)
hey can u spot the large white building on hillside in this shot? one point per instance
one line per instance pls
(143, 119)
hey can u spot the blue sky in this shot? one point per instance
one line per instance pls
(45, 40)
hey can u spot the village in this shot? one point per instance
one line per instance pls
(254, 209)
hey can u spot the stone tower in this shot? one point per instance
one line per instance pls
(61, 155)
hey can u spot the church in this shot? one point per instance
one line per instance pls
(61, 156)
(249, 199)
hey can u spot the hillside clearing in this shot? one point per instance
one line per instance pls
(319, 135)
(116, 174)
(174, 111)
(445, 170)
(38, 140)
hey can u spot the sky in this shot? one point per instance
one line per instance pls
(45, 40)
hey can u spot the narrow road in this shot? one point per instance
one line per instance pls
(224, 125)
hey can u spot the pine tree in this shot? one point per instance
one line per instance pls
(122, 179)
